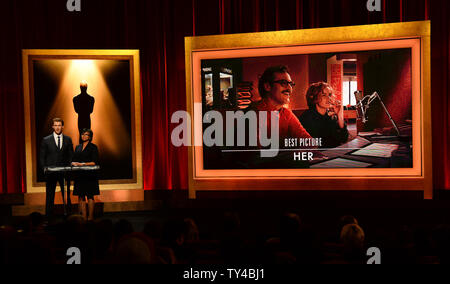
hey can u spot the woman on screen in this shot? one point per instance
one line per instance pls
(86, 181)
(325, 116)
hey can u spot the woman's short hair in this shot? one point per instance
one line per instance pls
(314, 92)
(91, 134)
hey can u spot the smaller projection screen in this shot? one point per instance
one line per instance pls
(88, 89)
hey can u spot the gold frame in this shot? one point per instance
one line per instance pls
(28, 55)
(368, 34)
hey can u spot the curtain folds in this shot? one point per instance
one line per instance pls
(157, 29)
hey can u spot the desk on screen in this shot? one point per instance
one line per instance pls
(361, 152)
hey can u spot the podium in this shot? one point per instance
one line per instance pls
(69, 173)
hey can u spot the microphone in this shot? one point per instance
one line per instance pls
(358, 96)
(360, 107)
(373, 96)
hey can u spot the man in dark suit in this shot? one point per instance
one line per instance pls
(56, 151)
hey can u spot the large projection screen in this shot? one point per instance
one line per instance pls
(389, 63)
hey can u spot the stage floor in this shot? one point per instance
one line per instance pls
(107, 201)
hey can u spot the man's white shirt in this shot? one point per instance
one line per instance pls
(56, 139)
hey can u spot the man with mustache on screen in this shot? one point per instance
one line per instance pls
(275, 87)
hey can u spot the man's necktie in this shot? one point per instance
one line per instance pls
(59, 142)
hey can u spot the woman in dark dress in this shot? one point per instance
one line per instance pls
(86, 182)
(325, 116)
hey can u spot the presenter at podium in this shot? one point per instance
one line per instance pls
(56, 151)
(86, 182)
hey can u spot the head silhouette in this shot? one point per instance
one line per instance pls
(83, 86)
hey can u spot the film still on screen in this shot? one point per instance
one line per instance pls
(330, 110)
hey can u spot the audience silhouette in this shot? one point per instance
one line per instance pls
(179, 240)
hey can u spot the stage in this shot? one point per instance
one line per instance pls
(107, 201)
(256, 201)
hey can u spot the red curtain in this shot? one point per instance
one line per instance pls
(157, 29)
